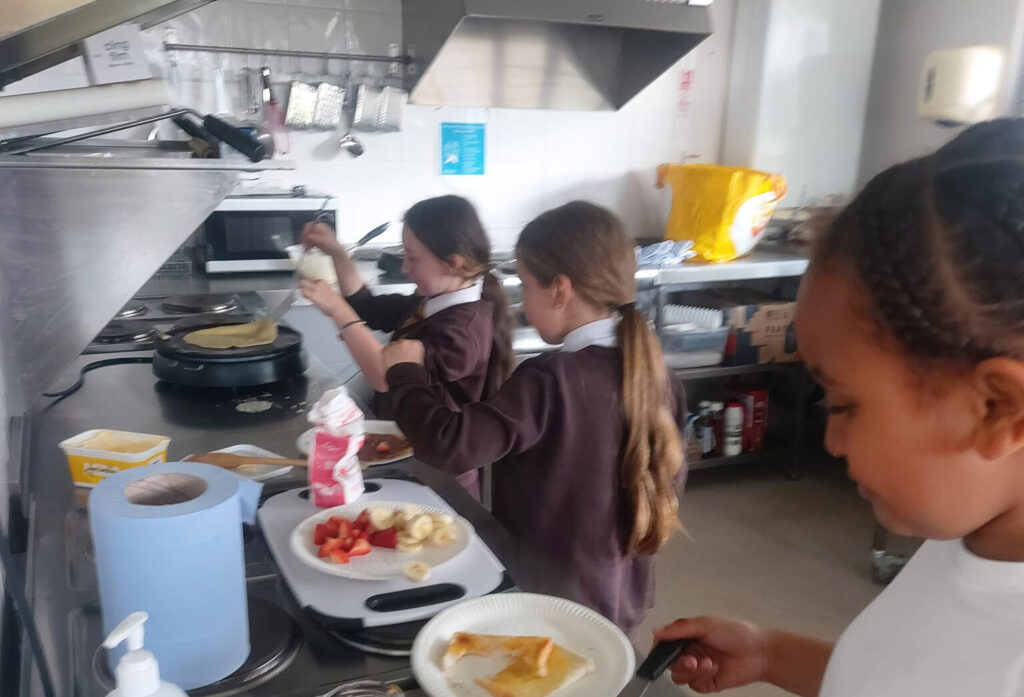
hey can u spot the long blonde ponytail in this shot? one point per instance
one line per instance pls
(653, 452)
(588, 244)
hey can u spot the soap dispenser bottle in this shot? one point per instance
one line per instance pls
(137, 674)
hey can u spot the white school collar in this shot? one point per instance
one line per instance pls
(457, 297)
(602, 332)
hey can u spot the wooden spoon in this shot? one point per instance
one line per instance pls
(231, 461)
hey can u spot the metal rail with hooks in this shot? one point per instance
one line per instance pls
(288, 53)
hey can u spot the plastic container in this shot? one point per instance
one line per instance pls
(138, 673)
(95, 455)
(689, 346)
(733, 429)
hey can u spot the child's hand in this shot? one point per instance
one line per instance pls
(323, 296)
(323, 237)
(404, 351)
(724, 654)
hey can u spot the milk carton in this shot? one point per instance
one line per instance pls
(335, 475)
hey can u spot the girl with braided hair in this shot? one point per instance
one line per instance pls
(911, 317)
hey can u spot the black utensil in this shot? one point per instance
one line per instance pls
(657, 662)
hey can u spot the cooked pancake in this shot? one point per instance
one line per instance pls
(262, 331)
(517, 680)
(531, 651)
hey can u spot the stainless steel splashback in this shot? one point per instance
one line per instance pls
(79, 238)
(544, 54)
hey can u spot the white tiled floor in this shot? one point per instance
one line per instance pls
(770, 550)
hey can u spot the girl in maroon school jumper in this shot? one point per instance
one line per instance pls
(459, 312)
(588, 438)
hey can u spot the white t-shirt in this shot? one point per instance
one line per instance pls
(950, 625)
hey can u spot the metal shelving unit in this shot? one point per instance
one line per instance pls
(775, 449)
(767, 262)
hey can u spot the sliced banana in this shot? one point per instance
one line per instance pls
(420, 527)
(408, 543)
(411, 510)
(443, 536)
(381, 518)
(442, 519)
(416, 571)
(401, 520)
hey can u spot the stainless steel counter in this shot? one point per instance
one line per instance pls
(767, 261)
(60, 575)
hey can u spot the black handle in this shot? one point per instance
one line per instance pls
(239, 140)
(661, 657)
(192, 128)
(375, 232)
(415, 597)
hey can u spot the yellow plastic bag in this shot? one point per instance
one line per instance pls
(723, 210)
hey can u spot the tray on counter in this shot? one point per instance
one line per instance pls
(349, 604)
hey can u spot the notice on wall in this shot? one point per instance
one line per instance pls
(116, 55)
(463, 148)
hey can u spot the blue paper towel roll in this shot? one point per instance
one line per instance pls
(168, 541)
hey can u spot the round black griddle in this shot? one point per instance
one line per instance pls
(184, 364)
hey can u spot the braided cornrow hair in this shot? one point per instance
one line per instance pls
(938, 245)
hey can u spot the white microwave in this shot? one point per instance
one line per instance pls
(251, 233)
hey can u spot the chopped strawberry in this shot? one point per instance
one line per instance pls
(361, 534)
(320, 534)
(331, 525)
(331, 544)
(344, 526)
(383, 448)
(385, 538)
(359, 548)
(339, 556)
(363, 521)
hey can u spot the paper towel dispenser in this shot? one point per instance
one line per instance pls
(961, 85)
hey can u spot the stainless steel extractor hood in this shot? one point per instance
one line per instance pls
(80, 235)
(544, 54)
(38, 34)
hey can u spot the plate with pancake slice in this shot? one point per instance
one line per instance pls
(521, 645)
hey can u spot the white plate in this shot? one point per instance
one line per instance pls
(304, 443)
(255, 472)
(380, 564)
(571, 625)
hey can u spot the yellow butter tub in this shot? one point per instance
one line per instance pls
(99, 453)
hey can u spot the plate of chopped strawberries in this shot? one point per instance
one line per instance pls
(381, 540)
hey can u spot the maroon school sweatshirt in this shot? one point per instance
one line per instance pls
(457, 342)
(557, 429)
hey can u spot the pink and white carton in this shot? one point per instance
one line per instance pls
(335, 475)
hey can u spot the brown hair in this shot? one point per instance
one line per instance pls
(937, 244)
(588, 244)
(449, 225)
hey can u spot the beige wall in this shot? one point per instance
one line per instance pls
(907, 31)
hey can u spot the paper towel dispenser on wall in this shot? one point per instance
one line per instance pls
(961, 85)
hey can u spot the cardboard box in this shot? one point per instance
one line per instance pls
(761, 326)
(762, 333)
(755, 414)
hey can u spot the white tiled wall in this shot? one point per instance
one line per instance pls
(535, 159)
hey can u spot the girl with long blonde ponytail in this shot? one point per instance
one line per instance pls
(586, 439)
